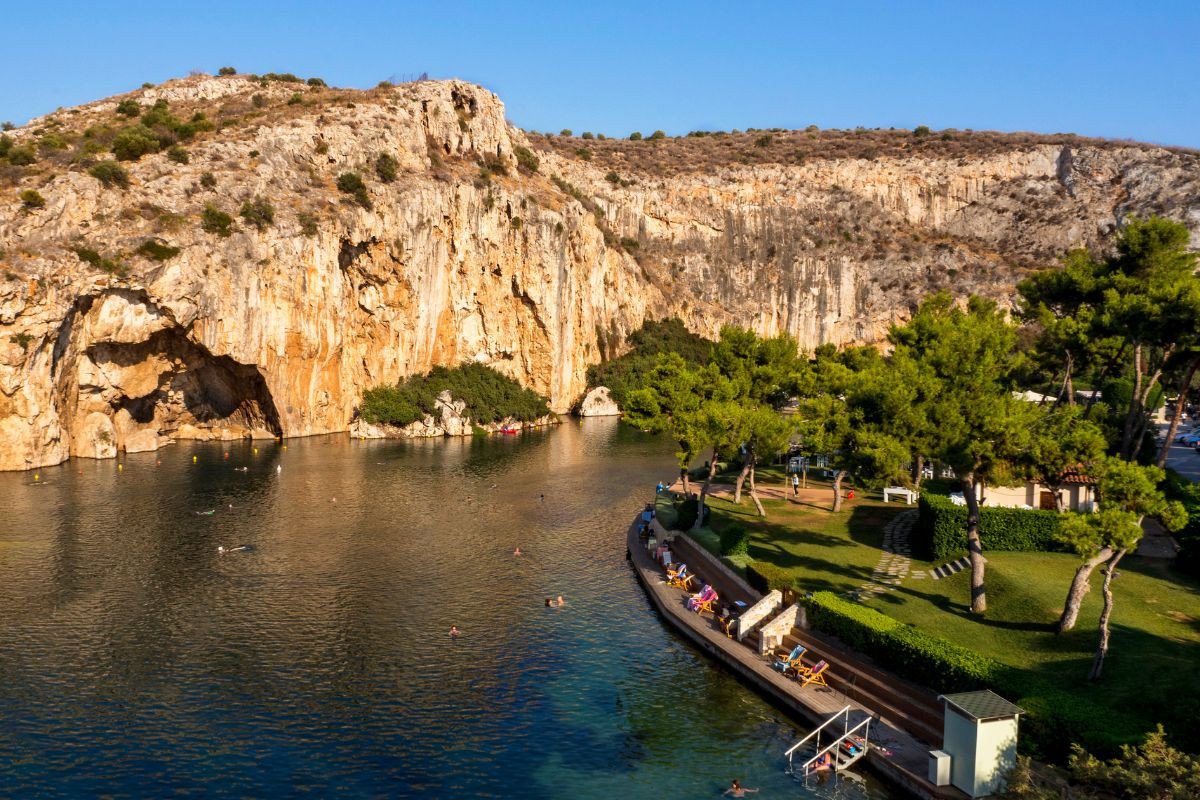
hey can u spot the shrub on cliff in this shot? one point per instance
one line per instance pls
(135, 142)
(110, 173)
(157, 250)
(129, 107)
(351, 183)
(526, 160)
(227, 71)
(258, 212)
(489, 397)
(386, 168)
(214, 220)
(32, 199)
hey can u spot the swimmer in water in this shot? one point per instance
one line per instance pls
(240, 548)
(454, 632)
(560, 601)
(517, 552)
(737, 790)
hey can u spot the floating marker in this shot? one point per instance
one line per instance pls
(37, 477)
(120, 467)
(193, 459)
(256, 451)
(227, 454)
(285, 447)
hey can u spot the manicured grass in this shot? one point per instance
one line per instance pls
(1155, 645)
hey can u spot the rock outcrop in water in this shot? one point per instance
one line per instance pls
(277, 328)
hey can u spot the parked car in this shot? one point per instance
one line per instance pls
(1189, 439)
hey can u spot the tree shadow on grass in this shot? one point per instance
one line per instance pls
(963, 610)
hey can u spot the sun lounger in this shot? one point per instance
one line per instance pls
(703, 601)
(791, 660)
(814, 675)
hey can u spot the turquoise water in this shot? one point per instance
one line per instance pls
(137, 661)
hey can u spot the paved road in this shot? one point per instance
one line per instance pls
(1185, 460)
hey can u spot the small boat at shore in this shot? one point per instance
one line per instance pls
(510, 431)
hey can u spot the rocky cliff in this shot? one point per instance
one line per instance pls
(130, 315)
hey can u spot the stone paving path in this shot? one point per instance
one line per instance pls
(894, 564)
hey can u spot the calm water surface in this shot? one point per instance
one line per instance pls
(135, 661)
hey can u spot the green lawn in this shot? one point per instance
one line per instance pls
(1155, 646)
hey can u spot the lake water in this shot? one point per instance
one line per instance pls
(136, 661)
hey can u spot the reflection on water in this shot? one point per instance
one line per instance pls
(137, 661)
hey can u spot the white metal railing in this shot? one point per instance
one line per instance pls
(846, 733)
(817, 731)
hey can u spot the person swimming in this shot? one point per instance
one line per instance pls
(517, 552)
(208, 513)
(241, 548)
(454, 632)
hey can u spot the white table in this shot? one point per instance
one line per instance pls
(899, 491)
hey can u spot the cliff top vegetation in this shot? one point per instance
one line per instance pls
(704, 151)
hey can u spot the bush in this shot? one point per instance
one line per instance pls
(308, 224)
(110, 173)
(227, 71)
(317, 83)
(565, 132)
(654, 137)
(385, 168)
(21, 156)
(214, 220)
(351, 183)
(258, 212)
(613, 177)
(90, 256)
(921, 130)
(6, 145)
(129, 107)
(766, 577)
(135, 142)
(258, 100)
(905, 650)
(636, 136)
(735, 541)
(208, 180)
(632, 370)
(489, 397)
(588, 135)
(178, 154)
(296, 99)
(764, 140)
(526, 160)
(685, 518)
(157, 250)
(31, 199)
(940, 532)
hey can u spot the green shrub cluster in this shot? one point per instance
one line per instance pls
(766, 577)
(940, 532)
(227, 71)
(632, 370)
(735, 541)
(109, 265)
(214, 220)
(157, 129)
(685, 516)
(110, 173)
(157, 250)
(1177, 487)
(489, 397)
(386, 168)
(178, 154)
(351, 183)
(32, 199)
(17, 156)
(258, 212)
(526, 160)
(903, 649)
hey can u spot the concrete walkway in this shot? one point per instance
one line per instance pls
(899, 756)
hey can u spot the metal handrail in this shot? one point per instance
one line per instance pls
(817, 730)
(866, 723)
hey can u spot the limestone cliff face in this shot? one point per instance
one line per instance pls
(278, 330)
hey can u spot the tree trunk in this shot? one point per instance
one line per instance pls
(920, 473)
(1143, 388)
(1180, 403)
(1079, 589)
(683, 477)
(1058, 501)
(1069, 383)
(974, 545)
(754, 492)
(837, 489)
(712, 470)
(804, 480)
(741, 479)
(1102, 650)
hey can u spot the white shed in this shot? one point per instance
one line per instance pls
(980, 736)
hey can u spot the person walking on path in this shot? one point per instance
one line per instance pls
(795, 485)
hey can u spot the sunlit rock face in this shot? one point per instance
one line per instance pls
(278, 330)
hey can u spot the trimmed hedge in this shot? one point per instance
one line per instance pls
(764, 577)
(735, 542)
(940, 532)
(903, 649)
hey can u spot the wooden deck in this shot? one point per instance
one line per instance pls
(906, 763)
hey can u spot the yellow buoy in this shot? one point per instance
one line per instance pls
(193, 459)
(256, 451)
(120, 467)
(37, 477)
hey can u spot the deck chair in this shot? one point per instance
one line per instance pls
(678, 577)
(703, 601)
(791, 660)
(814, 675)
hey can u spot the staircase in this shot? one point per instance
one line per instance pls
(841, 749)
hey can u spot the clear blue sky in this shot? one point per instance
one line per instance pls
(1129, 69)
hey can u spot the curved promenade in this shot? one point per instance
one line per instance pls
(896, 755)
